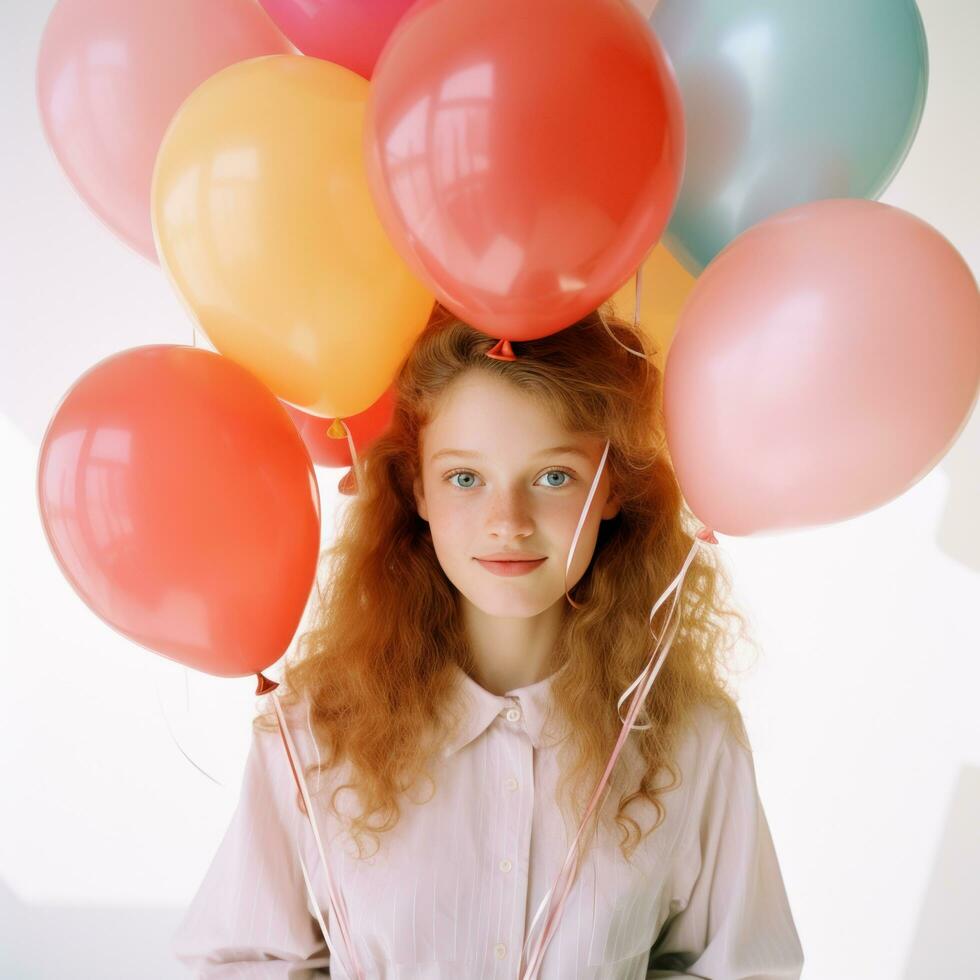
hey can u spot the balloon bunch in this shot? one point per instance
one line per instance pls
(519, 162)
(175, 483)
(523, 163)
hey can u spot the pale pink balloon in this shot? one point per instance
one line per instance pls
(825, 361)
(111, 74)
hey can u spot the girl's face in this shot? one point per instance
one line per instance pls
(500, 474)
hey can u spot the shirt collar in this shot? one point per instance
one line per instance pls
(481, 707)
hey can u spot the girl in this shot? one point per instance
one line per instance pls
(457, 699)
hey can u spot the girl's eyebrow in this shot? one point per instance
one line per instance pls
(554, 450)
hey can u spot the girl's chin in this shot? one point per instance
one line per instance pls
(510, 603)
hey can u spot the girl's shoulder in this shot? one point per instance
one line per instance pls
(710, 730)
(295, 714)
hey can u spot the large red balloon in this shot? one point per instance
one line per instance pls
(181, 504)
(523, 157)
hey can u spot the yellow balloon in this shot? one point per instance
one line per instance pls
(664, 290)
(264, 223)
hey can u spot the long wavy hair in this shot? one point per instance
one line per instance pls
(376, 665)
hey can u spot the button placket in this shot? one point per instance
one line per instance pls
(519, 808)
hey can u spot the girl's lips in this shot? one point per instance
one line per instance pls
(511, 567)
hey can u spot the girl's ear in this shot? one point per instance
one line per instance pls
(420, 499)
(612, 507)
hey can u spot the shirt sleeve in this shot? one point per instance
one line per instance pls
(249, 919)
(733, 919)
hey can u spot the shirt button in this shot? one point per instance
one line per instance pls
(510, 783)
(505, 865)
(513, 714)
(500, 950)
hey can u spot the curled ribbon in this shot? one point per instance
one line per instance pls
(646, 679)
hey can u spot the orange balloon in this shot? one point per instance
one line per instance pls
(181, 504)
(664, 289)
(264, 223)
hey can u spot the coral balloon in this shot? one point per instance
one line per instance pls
(110, 76)
(181, 504)
(664, 288)
(265, 225)
(347, 32)
(365, 427)
(524, 157)
(787, 103)
(825, 362)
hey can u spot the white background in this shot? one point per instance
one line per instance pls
(863, 706)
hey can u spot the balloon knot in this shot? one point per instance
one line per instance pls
(706, 534)
(502, 351)
(348, 483)
(336, 430)
(265, 685)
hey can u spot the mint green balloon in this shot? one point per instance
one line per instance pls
(785, 102)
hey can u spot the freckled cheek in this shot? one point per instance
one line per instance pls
(562, 516)
(452, 521)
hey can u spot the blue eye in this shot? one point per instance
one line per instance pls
(466, 473)
(470, 476)
(564, 483)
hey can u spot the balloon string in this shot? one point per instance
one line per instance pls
(355, 459)
(571, 863)
(314, 903)
(581, 521)
(173, 736)
(337, 904)
(299, 851)
(636, 317)
(298, 777)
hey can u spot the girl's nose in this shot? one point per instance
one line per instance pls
(509, 514)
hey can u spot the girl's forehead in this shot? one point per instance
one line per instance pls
(491, 417)
(477, 403)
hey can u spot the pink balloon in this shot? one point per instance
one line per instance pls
(347, 32)
(111, 74)
(824, 362)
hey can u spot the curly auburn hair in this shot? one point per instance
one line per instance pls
(379, 686)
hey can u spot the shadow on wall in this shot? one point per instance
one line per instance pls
(51, 942)
(944, 942)
(958, 531)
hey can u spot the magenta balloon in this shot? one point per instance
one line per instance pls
(111, 74)
(824, 362)
(347, 32)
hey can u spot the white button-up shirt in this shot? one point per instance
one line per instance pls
(454, 889)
